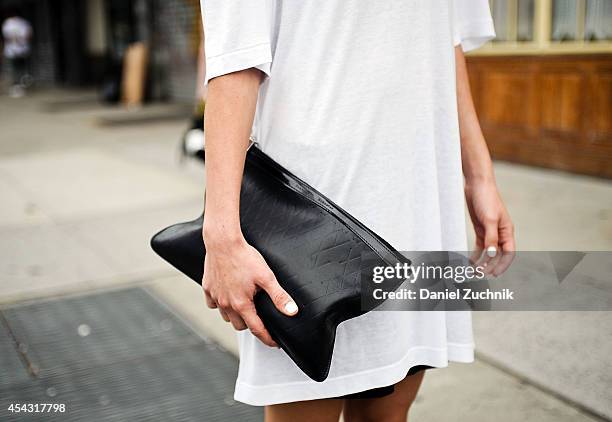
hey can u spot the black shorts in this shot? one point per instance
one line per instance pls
(376, 393)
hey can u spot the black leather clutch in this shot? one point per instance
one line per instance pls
(316, 250)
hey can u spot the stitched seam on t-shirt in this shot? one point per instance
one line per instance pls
(240, 50)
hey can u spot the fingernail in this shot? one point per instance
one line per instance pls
(491, 251)
(291, 308)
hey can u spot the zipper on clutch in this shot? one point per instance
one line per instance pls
(252, 141)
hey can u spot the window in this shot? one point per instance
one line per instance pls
(587, 20)
(525, 20)
(514, 19)
(551, 27)
(565, 20)
(598, 23)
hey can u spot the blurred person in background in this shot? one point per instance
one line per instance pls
(16, 34)
(192, 143)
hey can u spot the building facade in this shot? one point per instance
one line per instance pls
(543, 88)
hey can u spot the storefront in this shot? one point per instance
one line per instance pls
(543, 88)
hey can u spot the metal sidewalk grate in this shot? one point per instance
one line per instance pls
(12, 369)
(115, 356)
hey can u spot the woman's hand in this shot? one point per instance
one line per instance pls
(493, 227)
(233, 273)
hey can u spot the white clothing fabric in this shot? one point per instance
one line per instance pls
(359, 101)
(16, 32)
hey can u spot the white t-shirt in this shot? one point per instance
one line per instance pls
(359, 101)
(16, 32)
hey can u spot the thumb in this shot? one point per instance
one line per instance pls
(490, 243)
(491, 239)
(280, 297)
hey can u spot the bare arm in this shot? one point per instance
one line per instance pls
(492, 224)
(474, 152)
(228, 121)
(233, 270)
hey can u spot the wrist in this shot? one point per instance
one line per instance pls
(477, 165)
(480, 178)
(219, 233)
(478, 171)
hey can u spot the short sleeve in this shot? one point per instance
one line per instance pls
(238, 36)
(472, 23)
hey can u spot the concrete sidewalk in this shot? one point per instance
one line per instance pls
(81, 201)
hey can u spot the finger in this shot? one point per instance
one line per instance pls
(209, 301)
(504, 263)
(508, 253)
(224, 315)
(476, 254)
(491, 248)
(236, 321)
(478, 244)
(279, 296)
(493, 262)
(249, 316)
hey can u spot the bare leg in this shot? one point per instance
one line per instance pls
(391, 408)
(326, 410)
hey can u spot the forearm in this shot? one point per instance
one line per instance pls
(475, 155)
(228, 120)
